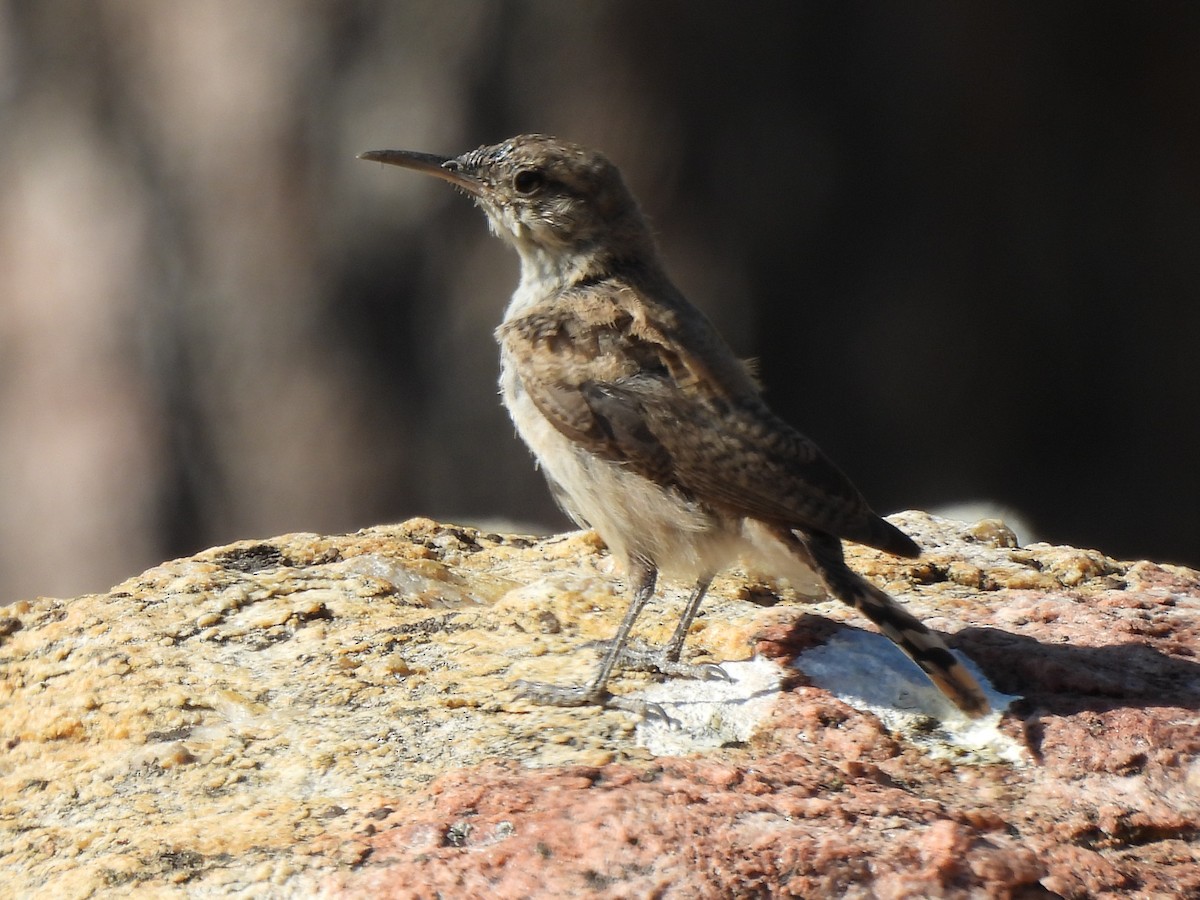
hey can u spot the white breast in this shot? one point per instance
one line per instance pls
(634, 516)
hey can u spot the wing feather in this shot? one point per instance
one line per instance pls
(617, 383)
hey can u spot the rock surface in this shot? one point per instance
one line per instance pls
(333, 716)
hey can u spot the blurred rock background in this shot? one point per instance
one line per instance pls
(962, 239)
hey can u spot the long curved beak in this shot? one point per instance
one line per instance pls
(443, 167)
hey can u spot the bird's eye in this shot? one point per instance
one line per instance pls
(527, 181)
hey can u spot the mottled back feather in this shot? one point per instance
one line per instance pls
(624, 389)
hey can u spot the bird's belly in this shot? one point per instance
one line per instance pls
(634, 516)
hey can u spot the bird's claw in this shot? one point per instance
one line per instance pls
(644, 659)
(587, 695)
(713, 672)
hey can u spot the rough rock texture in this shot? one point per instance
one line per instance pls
(332, 715)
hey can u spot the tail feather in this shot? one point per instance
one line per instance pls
(907, 632)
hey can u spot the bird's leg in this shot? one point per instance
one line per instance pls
(665, 659)
(643, 575)
(674, 646)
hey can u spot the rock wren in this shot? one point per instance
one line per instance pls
(647, 426)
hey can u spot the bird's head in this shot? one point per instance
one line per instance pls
(549, 198)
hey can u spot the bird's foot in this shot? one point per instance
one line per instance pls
(586, 695)
(641, 658)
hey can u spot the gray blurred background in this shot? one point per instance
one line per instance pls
(963, 239)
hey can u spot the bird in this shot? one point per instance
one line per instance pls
(647, 426)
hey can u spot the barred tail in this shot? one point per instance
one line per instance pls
(907, 632)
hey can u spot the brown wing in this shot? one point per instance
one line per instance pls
(615, 381)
